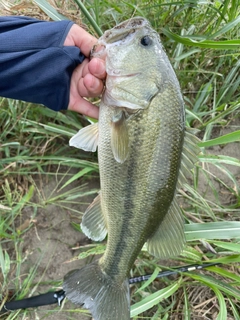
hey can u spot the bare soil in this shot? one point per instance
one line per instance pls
(53, 244)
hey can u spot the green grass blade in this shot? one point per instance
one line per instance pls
(153, 299)
(135, 7)
(231, 84)
(226, 274)
(89, 17)
(227, 259)
(49, 10)
(187, 307)
(71, 161)
(229, 26)
(216, 283)
(213, 230)
(235, 309)
(222, 315)
(32, 126)
(227, 138)
(229, 246)
(26, 198)
(5, 263)
(219, 45)
(77, 176)
(219, 159)
(150, 280)
(186, 54)
(94, 250)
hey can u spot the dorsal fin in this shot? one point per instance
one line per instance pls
(169, 239)
(189, 155)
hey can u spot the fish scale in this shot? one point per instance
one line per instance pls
(140, 138)
(130, 190)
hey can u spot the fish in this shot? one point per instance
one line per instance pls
(145, 154)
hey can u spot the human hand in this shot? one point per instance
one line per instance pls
(87, 78)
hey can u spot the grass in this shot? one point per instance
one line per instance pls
(202, 41)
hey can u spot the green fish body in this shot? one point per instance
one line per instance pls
(140, 137)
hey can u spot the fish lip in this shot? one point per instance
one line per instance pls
(117, 75)
(98, 51)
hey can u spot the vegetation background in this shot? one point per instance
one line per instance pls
(45, 185)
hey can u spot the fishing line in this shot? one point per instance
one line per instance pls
(58, 296)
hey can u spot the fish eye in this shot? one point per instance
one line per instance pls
(146, 41)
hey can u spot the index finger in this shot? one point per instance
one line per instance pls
(85, 107)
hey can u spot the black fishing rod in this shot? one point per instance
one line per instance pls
(36, 301)
(58, 296)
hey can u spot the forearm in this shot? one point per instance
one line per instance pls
(34, 64)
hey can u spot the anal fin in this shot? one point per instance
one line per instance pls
(93, 222)
(169, 239)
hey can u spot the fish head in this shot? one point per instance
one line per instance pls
(136, 64)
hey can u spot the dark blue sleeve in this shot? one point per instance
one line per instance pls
(34, 64)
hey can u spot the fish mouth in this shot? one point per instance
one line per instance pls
(124, 29)
(98, 51)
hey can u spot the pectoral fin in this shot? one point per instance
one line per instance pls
(93, 222)
(86, 138)
(169, 239)
(119, 137)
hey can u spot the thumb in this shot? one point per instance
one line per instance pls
(80, 38)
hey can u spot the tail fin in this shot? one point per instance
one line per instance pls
(96, 291)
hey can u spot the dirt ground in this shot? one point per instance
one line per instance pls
(52, 239)
(53, 243)
(231, 150)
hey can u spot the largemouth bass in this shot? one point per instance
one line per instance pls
(140, 137)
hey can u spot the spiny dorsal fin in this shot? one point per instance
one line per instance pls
(86, 138)
(169, 239)
(119, 137)
(189, 155)
(93, 223)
